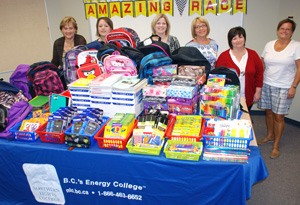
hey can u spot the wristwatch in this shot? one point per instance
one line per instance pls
(294, 86)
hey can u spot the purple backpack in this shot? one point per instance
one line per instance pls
(19, 79)
(69, 63)
(17, 113)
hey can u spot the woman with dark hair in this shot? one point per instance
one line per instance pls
(281, 59)
(103, 26)
(68, 27)
(247, 64)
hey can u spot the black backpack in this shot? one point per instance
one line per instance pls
(190, 56)
(134, 54)
(106, 50)
(231, 75)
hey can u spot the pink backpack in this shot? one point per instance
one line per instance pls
(119, 64)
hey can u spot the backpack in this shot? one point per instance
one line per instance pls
(123, 37)
(44, 79)
(19, 79)
(3, 117)
(69, 63)
(106, 50)
(190, 56)
(231, 75)
(151, 61)
(88, 65)
(154, 46)
(119, 64)
(17, 113)
(13, 108)
(134, 54)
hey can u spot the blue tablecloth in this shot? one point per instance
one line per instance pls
(104, 176)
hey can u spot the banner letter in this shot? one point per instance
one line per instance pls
(195, 6)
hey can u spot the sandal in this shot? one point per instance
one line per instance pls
(275, 153)
(265, 140)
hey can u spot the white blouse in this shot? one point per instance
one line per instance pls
(242, 66)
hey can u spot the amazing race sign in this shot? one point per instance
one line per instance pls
(134, 8)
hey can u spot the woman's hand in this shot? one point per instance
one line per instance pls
(291, 92)
(257, 95)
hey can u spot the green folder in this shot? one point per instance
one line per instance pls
(57, 101)
(39, 102)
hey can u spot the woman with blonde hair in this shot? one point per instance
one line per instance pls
(208, 47)
(68, 27)
(161, 27)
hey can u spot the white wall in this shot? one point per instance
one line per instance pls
(58, 9)
(261, 23)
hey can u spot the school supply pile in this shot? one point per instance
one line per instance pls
(57, 124)
(85, 128)
(26, 129)
(227, 140)
(101, 92)
(117, 131)
(40, 102)
(127, 96)
(185, 128)
(155, 97)
(80, 93)
(32, 124)
(148, 137)
(219, 101)
(162, 75)
(184, 138)
(182, 95)
(183, 150)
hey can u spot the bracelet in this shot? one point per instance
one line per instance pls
(294, 86)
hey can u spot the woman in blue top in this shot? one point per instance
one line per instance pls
(104, 26)
(208, 47)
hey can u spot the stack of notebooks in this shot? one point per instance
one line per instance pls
(80, 93)
(40, 103)
(101, 92)
(127, 96)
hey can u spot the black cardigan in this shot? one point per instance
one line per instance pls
(58, 48)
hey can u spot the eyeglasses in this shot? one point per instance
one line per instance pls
(200, 26)
(285, 29)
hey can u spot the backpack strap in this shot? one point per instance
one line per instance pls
(163, 50)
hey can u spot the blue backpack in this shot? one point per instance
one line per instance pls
(19, 79)
(150, 61)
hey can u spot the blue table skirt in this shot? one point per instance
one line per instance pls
(131, 178)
